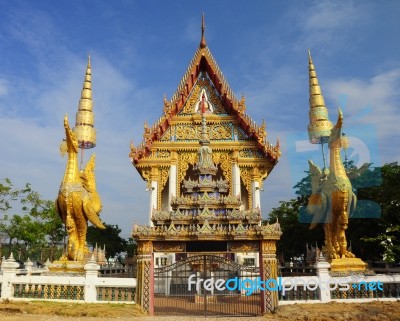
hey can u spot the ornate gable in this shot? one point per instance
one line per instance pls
(180, 121)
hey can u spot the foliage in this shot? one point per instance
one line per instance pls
(131, 247)
(384, 233)
(35, 229)
(295, 234)
(8, 194)
(109, 237)
(368, 226)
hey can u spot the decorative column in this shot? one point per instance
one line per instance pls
(235, 175)
(323, 267)
(153, 189)
(91, 273)
(9, 268)
(172, 178)
(145, 277)
(255, 188)
(269, 270)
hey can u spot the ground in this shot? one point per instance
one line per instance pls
(51, 311)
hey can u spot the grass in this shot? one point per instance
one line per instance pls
(70, 309)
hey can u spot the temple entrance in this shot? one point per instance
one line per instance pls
(197, 284)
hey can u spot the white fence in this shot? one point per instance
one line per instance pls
(347, 288)
(89, 287)
(83, 288)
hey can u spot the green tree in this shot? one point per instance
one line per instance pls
(44, 214)
(376, 222)
(9, 194)
(34, 228)
(380, 237)
(295, 234)
(131, 247)
(109, 237)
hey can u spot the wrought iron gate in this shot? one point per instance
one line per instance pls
(197, 285)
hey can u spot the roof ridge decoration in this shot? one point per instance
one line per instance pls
(232, 104)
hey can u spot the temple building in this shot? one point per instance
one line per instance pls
(205, 161)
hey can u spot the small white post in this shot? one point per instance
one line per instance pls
(91, 269)
(28, 266)
(323, 267)
(9, 268)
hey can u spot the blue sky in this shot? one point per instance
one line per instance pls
(141, 49)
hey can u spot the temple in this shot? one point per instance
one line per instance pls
(204, 161)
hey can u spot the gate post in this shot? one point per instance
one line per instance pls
(269, 270)
(145, 277)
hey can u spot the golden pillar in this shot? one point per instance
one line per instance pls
(145, 279)
(269, 270)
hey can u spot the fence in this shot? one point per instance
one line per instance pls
(87, 287)
(324, 288)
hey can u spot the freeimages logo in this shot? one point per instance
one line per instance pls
(253, 285)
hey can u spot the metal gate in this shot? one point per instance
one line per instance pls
(206, 284)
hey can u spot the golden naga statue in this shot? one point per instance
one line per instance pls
(78, 200)
(332, 199)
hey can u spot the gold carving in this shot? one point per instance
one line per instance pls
(78, 200)
(249, 246)
(167, 135)
(184, 160)
(245, 174)
(268, 247)
(214, 132)
(146, 175)
(187, 132)
(145, 248)
(195, 97)
(221, 131)
(190, 103)
(224, 160)
(169, 246)
(163, 177)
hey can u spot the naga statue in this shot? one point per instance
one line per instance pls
(78, 200)
(332, 200)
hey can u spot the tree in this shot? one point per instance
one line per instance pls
(131, 247)
(8, 194)
(376, 220)
(384, 232)
(35, 229)
(295, 234)
(109, 237)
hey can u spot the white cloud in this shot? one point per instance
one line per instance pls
(374, 101)
(329, 25)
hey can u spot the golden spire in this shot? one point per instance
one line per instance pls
(84, 126)
(320, 127)
(203, 43)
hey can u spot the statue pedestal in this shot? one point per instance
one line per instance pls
(66, 266)
(348, 265)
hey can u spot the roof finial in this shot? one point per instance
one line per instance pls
(203, 39)
(319, 127)
(84, 126)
